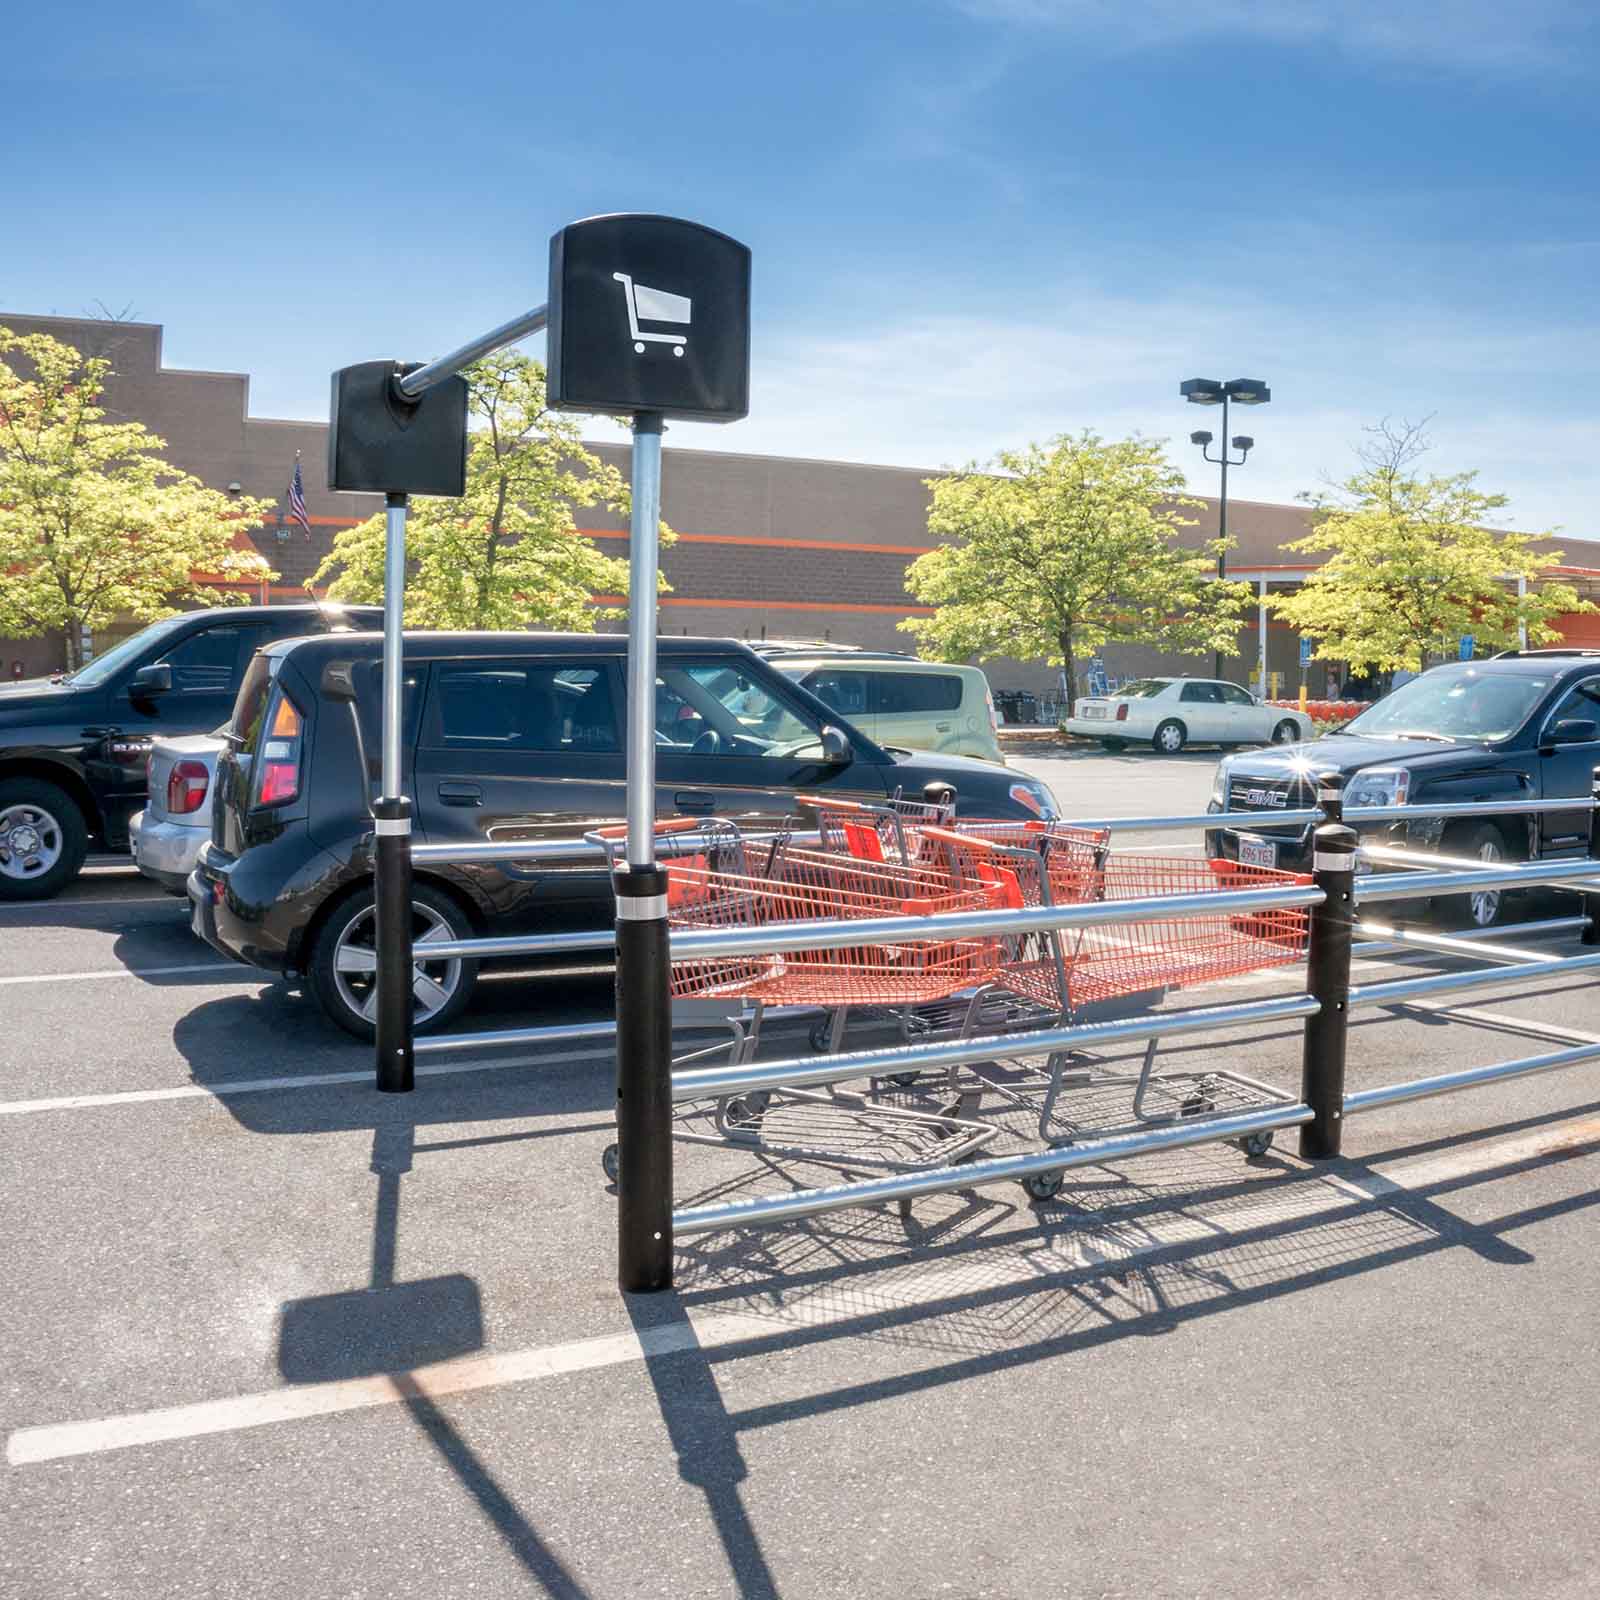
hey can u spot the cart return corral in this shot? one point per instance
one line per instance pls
(1345, 912)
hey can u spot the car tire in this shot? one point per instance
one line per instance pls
(1115, 746)
(44, 839)
(342, 969)
(1286, 732)
(1170, 737)
(1480, 841)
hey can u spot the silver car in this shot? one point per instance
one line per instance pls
(165, 838)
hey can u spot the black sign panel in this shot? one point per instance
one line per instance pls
(649, 314)
(380, 443)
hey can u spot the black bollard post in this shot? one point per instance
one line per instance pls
(644, 1082)
(1591, 899)
(1330, 797)
(396, 1063)
(1328, 982)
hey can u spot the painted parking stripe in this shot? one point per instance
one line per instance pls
(1328, 1192)
(131, 972)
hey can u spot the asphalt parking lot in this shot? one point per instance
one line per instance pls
(268, 1332)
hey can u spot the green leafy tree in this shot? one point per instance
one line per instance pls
(95, 527)
(507, 554)
(1411, 567)
(1059, 549)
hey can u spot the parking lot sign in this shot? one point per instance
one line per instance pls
(1305, 652)
(1468, 644)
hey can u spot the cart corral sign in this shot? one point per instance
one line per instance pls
(649, 314)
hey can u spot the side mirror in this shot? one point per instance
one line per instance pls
(1574, 730)
(836, 751)
(148, 682)
(339, 681)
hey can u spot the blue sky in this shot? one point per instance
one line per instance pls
(974, 222)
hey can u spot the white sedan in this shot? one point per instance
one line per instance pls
(1173, 712)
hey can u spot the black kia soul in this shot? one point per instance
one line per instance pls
(73, 748)
(506, 736)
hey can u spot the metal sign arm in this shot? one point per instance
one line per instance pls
(416, 384)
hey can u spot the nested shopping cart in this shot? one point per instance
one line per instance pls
(716, 880)
(1061, 974)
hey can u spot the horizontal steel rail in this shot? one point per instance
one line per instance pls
(811, 1071)
(1465, 808)
(501, 1038)
(517, 944)
(768, 1209)
(1517, 930)
(1394, 1094)
(415, 384)
(577, 851)
(1445, 944)
(1397, 989)
(701, 944)
(1420, 885)
(1204, 819)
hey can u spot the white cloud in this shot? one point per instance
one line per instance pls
(1469, 33)
(935, 391)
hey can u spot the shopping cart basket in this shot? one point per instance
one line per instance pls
(1061, 974)
(715, 881)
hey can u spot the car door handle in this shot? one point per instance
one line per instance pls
(460, 794)
(694, 800)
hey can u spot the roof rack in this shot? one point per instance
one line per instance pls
(1551, 650)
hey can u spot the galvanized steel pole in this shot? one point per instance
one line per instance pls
(1328, 983)
(1591, 902)
(396, 1061)
(644, 1004)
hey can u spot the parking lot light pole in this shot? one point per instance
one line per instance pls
(1209, 392)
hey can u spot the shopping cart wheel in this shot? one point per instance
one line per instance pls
(748, 1107)
(610, 1162)
(819, 1034)
(903, 1080)
(1256, 1144)
(1044, 1185)
(1197, 1105)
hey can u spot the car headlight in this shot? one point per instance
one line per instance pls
(1378, 786)
(1037, 798)
(1219, 784)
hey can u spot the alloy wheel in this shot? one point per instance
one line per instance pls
(1485, 903)
(355, 964)
(31, 842)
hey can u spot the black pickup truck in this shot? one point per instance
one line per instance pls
(73, 748)
(1519, 727)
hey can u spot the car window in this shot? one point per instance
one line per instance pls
(844, 692)
(1203, 693)
(1455, 702)
(517, 706)
(1233, 695)
(213, 660)
(911, 693)
(247, 709)
(1145, 688)
(716, 708)
(1581, 703)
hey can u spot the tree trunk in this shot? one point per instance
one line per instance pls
(1066, 668)
(72, 636)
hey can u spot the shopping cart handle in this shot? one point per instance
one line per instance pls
(620, 830)
(827, 802)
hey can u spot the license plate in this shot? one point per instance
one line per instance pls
(1091, 712)
(1255, 852)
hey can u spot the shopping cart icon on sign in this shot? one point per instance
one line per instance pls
(654, 305)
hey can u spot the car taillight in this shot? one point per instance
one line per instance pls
(186, 787)
(1122, 712)
(280, 755)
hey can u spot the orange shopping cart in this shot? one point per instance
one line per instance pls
(716, 881)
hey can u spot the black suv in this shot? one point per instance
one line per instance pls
(1518, 727)
(507, 736)
(73, 749)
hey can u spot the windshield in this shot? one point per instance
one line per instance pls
(96, 672)
(1454, 703)
(1143, 688)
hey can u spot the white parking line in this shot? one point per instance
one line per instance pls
(134, 972)
(719, 1330)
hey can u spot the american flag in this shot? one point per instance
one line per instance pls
(297, 497)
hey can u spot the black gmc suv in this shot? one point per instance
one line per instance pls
(1519, 727)
(506, 736)
(73, 748)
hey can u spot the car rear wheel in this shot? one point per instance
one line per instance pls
(1170, 737)
(1285, 733)
(344, 963)
(43, 839)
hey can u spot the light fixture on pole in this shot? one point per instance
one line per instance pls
(1209, 392)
